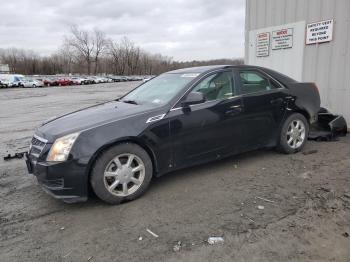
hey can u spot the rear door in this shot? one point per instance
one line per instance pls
(264, 107)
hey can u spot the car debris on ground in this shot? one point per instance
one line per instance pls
(328, 126)
(347, 194)
(152, 233)
(66, 255)
(310, 152)
(14, 156)
(265, 199)
(247, 217)
(177, 246)
(215, 240)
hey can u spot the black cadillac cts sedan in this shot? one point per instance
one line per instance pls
(178, 119)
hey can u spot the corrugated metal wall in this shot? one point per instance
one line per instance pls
(327, 64)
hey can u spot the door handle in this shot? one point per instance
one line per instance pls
(234, 110)
(276, 101)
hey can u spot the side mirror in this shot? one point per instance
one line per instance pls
(192, 99)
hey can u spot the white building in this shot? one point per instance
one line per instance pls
(4, 68)
(308, 40)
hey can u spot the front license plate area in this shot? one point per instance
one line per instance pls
(28, 163)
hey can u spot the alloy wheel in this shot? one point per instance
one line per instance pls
(124, 174)
(296, 134)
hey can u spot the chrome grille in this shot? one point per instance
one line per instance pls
(37, 145)
(36, 141)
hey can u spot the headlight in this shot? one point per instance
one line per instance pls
(61, 148)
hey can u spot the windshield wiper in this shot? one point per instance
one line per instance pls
(130, 102)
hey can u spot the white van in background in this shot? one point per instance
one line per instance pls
(11, 80)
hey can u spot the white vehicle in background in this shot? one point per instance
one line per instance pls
(30, 82)
(4, 82)
(99, 79)
(78, 80)
(11, 80)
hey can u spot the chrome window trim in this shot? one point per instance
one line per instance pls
(264, 73)
(216, 100)
(282, 87)
(228, 69)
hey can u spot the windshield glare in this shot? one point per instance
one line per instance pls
(159, 90)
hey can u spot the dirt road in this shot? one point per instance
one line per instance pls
(266, 206)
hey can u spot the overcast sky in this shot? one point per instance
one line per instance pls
(182, 29)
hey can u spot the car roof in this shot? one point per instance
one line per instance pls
(207, 69)
(202, 69)
(198, 69)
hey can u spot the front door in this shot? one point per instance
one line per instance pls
(208, 130)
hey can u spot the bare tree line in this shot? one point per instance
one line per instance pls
(87, 52)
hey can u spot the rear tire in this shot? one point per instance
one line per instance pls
(121, 173)
(294, 134)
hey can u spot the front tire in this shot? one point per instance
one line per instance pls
(121, 173)
(294, 134)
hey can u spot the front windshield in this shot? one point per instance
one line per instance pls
(160, 90)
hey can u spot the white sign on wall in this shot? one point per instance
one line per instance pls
(262, 44)
(282, 39)
(288, 61)
(319, 32)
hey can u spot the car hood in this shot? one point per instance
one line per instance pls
(89, 118)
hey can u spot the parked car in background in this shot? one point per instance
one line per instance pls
(116, 78)
(98, 80)
(50, 82)
(64, 81)
(176, 120)
(12, 80)
(78, 80)
(15, 80)
(31, 82)
(91, 80)
(4, 83)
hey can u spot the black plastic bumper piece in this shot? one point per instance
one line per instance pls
(62, 180)
(328, 127)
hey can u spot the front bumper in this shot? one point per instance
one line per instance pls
(66, 181)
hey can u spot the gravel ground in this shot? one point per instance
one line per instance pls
(266, 206)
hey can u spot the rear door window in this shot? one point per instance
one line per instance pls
(253, 82)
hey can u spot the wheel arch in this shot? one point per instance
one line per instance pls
(133, 140)
(304, 113)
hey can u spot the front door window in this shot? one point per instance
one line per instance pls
(216, 86)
